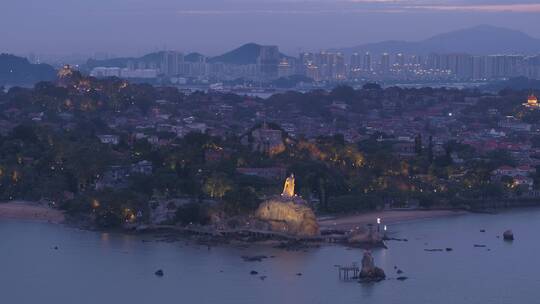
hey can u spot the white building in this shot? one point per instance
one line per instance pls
(109, 139)
(104, 72)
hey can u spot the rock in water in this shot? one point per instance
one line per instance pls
(290, 215)
(508, 235)
(368, 237)
(369, 272)
(403, 278)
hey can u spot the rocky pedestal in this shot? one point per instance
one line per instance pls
(370, 272)
(289, 215)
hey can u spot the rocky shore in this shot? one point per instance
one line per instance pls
(350, 230)
(289, 224)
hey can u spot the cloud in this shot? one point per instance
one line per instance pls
(287, 12)
(314, 7)
(487, 8)
(268, 7)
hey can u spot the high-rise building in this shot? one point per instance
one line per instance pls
(400, 60)
(433, 61)
(356, 62)
(385, 63)
(478, 67)
(338, 66)
(285, 69)
(268, 61)
(171, 63)
(304, 60)
(366, 66)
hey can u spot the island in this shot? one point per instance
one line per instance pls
(112, 154)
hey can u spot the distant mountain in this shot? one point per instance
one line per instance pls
(19, 71)
(246, 54)
(194, 57)
(478, 40)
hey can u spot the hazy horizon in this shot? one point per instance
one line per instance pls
(134, 27)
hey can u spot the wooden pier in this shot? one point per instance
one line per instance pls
(348, 273)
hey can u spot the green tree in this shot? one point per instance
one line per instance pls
(242, 200)
(192, 213)
(217, 185)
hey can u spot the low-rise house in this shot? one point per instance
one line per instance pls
(117, 176)
(267, 140)
(524, 170)
(109, 139)
(197, 127)
(216, 154)
(153, 140)
(143, 167)
(523, 182)
(513, 124)
(273, 173)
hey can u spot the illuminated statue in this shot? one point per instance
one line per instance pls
(532, 101)
(288, 188)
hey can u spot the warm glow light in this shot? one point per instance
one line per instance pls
(532, 101)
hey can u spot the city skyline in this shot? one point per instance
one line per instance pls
(212, 27)
(270, 65)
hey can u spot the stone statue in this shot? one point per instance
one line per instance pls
(288, 188)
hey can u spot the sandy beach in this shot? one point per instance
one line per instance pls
(348, 222)
(22, 210)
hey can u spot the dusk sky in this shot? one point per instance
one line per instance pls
(133, 27)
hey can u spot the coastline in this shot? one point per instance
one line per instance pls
(24, 210)
(348, 222)
(32, 211)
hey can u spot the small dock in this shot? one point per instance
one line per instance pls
(349, 273)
